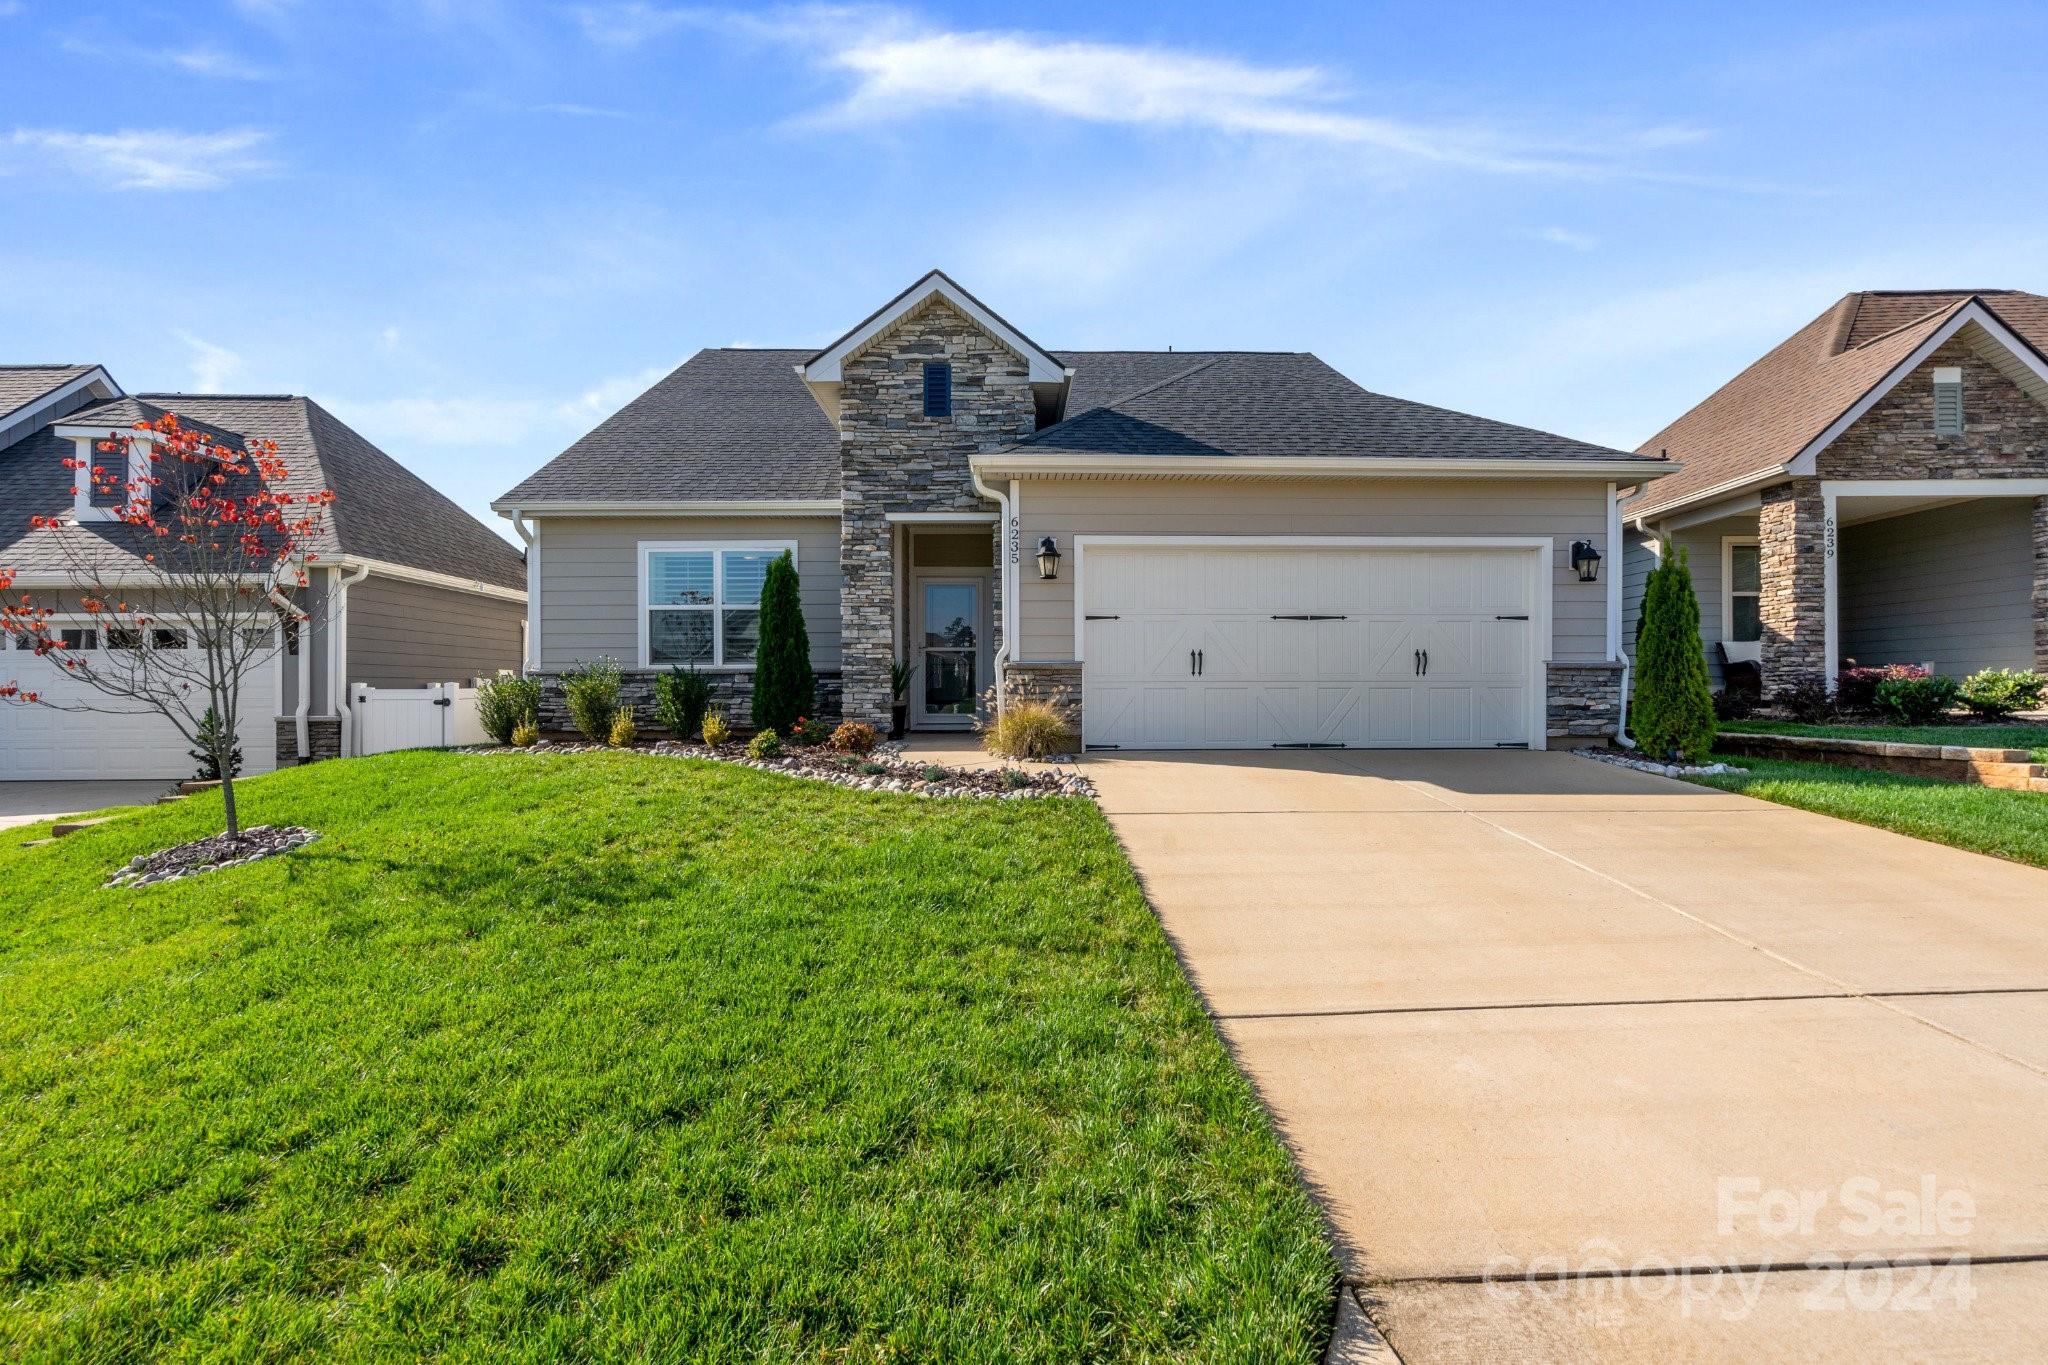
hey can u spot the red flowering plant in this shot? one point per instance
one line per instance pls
(177, 593)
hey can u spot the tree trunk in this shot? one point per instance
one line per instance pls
(227, 797)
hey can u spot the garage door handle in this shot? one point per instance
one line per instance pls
(1418, 663)
(1425, 663)
(1201, 662)
(1191, 663)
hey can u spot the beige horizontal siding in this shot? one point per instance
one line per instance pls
(1563, 510)
(1953, 586)
(590, 579)
(403, 634)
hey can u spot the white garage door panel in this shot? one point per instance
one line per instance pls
(42, 743)
(1356, 677)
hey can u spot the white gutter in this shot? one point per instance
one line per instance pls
(530, 533)
(1005, 645)
(337, 646)
(1032, 463)
(687, 507)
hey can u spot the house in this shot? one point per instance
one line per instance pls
(1874, 489)
(1192, 549)
(407, 588)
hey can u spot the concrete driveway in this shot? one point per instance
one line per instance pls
(1540, 1029)
(30, 803)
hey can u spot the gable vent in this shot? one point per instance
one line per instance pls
(938, 390)
(1948, 402)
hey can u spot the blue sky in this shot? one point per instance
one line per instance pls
(473, 228)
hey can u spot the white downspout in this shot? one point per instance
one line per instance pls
(1006, 646)
(337, 646)
(530, 533)
(299, 730)
(1615, 573)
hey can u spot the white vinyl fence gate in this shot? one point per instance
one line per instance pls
(438, 716)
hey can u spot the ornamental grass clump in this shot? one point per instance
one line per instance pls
(1029, 728)
(1673, 717)
(592, 691)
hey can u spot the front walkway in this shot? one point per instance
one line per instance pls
(31, 803)
(1530, 1022)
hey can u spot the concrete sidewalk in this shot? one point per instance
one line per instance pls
(1530, 1022)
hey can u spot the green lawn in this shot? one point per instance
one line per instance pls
(608, 1056)
(2034, 737)
(2007, 824)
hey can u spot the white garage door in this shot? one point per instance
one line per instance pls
(38, 742)
(1201, 647)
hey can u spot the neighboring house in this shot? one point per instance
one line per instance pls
(407, 587)
(1251, 549)
(1874, 489)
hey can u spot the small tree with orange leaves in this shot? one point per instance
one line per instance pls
(183, 584)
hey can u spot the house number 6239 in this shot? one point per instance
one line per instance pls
(1828, 537)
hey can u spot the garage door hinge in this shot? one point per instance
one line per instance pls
(1092, 617)
(1519, 744)
(1102, 746)
(1510, 618)
(1310, 616)
(1311, 746)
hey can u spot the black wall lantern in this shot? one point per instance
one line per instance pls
(1048, 558)
(1586, 560)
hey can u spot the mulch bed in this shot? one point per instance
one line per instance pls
(212, 854)
(882, 771)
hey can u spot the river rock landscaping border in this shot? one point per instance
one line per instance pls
(211, 854)
(885, 770)
(1647, 765)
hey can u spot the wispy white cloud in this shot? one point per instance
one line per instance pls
(212, 365)
(1566, 237)
(571, 109)
(145, 158)
(494, 420)
(209, 62)
(902, 66)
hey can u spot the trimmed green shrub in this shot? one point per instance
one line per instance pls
(1998, 692)
(505, 701)
(809, 733)
(854, 737)
(765, 744)
(716, 730)
(1917, 701)
(1809, 702)
(1673, 715)
(1856, 688)
(785, 689)
(592, 691)
(623, 732)
(681, 697)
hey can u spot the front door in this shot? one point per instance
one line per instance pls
(949, 682)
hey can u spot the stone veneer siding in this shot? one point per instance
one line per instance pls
(1792, 546)
(1583, 701)
(323, 739)
(731, 693)
(892, 458)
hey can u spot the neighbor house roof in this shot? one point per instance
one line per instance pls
(382, 511)
(21, 385)
(1758, 422)
(741, 426)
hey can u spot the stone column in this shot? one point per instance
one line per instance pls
(2041, 585)
(1792, 542)
(867, 605)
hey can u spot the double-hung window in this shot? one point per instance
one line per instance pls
(1742, 563)
(701, 604)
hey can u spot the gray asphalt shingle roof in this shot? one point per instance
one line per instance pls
(21, 385)
(740, 424)
(381, 510)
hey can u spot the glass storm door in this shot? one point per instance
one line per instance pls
(949, 679)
